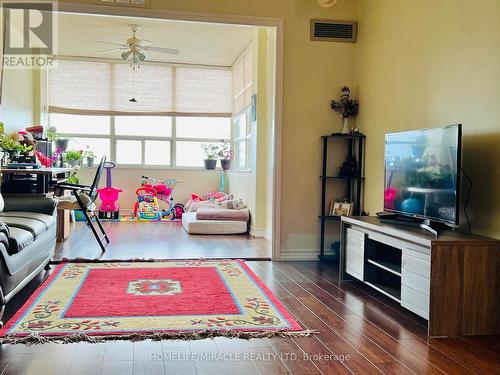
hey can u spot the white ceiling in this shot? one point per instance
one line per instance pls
(199, 43)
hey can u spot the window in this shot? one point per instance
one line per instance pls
(192, 132)
(166, 141)
(155, 126)
(76, 124)
(242, 138)
(128, 152)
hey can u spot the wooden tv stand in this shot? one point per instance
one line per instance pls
(453, 280)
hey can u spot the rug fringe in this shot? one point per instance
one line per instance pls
(154, 336)
(97, 260)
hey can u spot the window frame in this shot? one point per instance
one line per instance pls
(173, 139)
(247, 139)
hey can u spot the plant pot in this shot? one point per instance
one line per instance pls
(346, 129)
(225, 164)
(62, 143)
(210, 163)
(73, 163)
(12, 154)
(90, 162)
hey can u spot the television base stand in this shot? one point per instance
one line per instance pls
(425, 224)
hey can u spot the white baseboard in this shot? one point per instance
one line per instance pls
(267, 234)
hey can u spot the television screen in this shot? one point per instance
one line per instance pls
(422, 173)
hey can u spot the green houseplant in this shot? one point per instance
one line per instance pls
(211, 151)
(73, 158)
(12, 146)
(89, 156)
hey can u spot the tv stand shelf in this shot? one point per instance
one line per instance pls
(389, 267)
(450, 280)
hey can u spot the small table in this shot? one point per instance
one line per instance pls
(43, 178)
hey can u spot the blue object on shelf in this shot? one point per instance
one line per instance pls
(79, 215)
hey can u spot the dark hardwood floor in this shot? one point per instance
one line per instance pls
(361, 332)
(159, 241)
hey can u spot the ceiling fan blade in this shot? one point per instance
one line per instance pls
(144, 42)
(112, 50)
(110, 43)
(171, 51)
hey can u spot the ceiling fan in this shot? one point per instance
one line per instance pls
(132, 51)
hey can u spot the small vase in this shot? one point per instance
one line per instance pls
(346, 129)
(73, 163)
(62, 143)
(225, 164)
(210, 163)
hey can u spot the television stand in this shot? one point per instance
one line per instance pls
(450, 280)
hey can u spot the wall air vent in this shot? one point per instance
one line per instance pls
(334, 31)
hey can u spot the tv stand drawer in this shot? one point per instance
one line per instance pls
(415, 301)
(355, 253)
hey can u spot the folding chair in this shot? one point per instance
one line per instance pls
(83, 199)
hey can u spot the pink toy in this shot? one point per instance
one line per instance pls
(216, 196)
(164, 191)
(109, 208)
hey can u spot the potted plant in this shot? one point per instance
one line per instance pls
(226, 155)
(11, 144)
(211, 151)
(61, 143)
(89, 156)
(73, 158)
(346, 107)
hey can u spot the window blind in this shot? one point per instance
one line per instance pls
(102, 87)
(242, 89)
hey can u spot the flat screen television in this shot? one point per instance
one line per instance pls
(422, 173)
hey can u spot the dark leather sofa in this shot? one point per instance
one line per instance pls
(27, 242)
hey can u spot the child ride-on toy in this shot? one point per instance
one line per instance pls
(147, 207)
(109, 208)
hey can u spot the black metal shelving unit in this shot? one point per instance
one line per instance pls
(354, 183)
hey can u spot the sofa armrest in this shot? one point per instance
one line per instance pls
(42, 205)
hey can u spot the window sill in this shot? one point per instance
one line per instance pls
(159, 167)
(240, 170)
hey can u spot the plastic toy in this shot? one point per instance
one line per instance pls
(178, 210)
(164, 192)
(109, 208)
(147, 207)
(216, 196)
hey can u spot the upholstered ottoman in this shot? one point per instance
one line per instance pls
(194, 226)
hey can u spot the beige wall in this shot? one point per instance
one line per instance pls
(16, 109)
(255, 185)
(431, 63)
(265, 79)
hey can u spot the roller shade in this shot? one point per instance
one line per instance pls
(95, 87)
